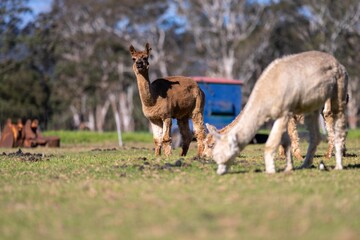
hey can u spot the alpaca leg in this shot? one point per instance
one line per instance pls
(312, 124)
(340, 118)
(166, 137)
(340, 136)
(340, 131)
(199, 132)
(198, 122)
(186, 135)
(329, 124)
(157, 136)
(282, 151)
(273, 142)
(293, 134)
(286, 144)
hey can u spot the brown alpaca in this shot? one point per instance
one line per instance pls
(166, 98)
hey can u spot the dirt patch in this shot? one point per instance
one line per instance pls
(103, 149)
(26, 156)
(202, 160)
(145, 164)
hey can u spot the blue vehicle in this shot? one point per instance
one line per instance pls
(223, 99)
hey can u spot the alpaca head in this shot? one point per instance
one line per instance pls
(209, 141)
(140, 58)
(224, 150)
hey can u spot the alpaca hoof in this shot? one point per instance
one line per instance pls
(288, 169)
(281, 152)
(222, 169)
(338, 167)
(184, 152)
(297, 155)
(270, 168)
(302, 166)
(167, 150)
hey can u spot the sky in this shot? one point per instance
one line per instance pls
(37, 7)
(40, 5)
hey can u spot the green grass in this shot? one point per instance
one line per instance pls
(86, 137)
(353, 134)
(88, 190)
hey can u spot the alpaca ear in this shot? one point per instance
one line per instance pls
(148, 48)
(213, 131)
(211, 128)
(132, 49)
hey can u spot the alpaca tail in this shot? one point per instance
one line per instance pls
(200, 101)
(198, 121)
(342, 88)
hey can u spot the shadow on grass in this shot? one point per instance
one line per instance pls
(350, 155)
(237, 172)
(352, 166)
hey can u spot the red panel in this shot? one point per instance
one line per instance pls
(217, 80)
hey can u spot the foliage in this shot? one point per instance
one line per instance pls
(75, 57)
(14, 103)
(26, 62)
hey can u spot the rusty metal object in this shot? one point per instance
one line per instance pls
(7, 137)
(26, 136)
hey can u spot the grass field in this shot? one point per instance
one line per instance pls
(92, 189)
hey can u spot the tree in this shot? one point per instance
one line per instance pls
(24, 89)
(230, 38)
(337, 26)
(95, 38)
(219, 28)
(325, 25)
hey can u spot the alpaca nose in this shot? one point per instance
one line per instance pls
(139, 64)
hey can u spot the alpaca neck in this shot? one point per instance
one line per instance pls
(250, 120)
(144, 89)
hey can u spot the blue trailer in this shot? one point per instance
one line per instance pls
(223, 98)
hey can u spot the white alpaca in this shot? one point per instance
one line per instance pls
(295, 84)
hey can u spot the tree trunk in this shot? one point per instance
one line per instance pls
(352, 113)
(101, 112)
(228, 66)
(126, 107)
(116, 117)
(91, 123)
(76, 116)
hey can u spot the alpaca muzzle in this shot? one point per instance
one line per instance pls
(140, 65)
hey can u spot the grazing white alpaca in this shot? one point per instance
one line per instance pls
(296, 84)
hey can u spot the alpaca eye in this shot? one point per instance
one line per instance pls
(134, 59)
(146, 59)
